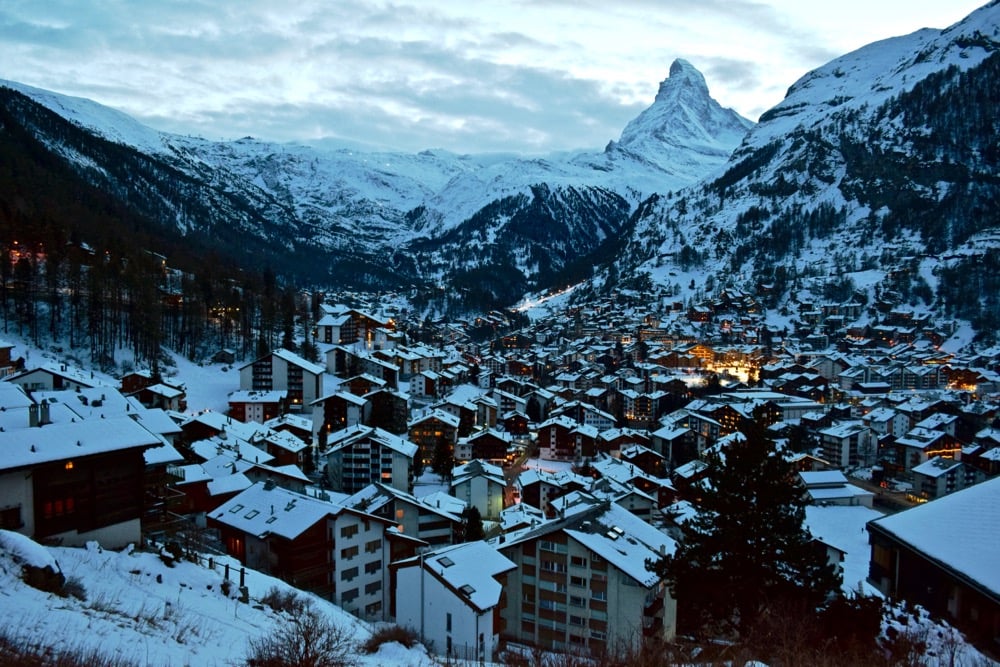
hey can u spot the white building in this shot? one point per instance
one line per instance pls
(450, 596)
(480, 485)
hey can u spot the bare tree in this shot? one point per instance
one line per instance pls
(306, 638)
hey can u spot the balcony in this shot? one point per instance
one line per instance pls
(652, 627)
(654, 607)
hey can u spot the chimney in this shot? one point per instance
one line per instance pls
(43, 414)
(32, 415)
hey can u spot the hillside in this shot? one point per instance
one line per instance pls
(132, 607)
(883, 160)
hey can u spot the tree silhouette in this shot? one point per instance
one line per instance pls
(747, 551)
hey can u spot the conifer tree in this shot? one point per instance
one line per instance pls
(473, 524)
(747, 550)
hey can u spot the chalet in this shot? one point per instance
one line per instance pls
(338, 553)
(847, 444)
(831, 487)
(920, 445)
(480, 485)
(424, 521)
(346, 326)
(8, 366)
(257, 406)
(586, 414)
(363, 384)
(338, 411)
(539, 488)
(940, 476)
(434, 429)
(675, 442)
(612, 441)
(285, 448)
(489, 445)
(454, 596)
(209, 424)
(54, 377)
(351, 361)
(623, 472)
(645, 459)
(514, 422)
(563, 439)
(163, 396)
(362, 455)
(388, 410)
(942, 555)
(298, 425)
(586, 582)
(70, 483)
(284, 370)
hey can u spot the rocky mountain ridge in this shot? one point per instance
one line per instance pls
(388, 219)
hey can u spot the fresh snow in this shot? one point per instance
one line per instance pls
(139, 609)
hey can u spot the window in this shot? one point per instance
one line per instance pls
(597, 634)
(349, 596)
(552, 566)
(577, 601)
(373, 547)
(349, 531)
(349, 552)
(373, 587)
(373, 567)
(373, 609)
(546, 545)
(578, 581)
(577, 620)
(578, 561)
(349, 574)
(447, 623)
(10, 518)
(599, 595)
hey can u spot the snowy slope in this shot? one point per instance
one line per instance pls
(850, 174)
(139, 610)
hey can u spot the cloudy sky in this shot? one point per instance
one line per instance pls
(530, 76)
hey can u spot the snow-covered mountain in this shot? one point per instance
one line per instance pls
(884, 160)
(331, 204)
(877, 174)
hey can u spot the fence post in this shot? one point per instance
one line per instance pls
(243, 577)
(227, 571)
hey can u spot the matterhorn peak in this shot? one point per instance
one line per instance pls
(682, 75)
(683, 117)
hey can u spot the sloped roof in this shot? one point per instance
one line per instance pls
(27, 447)
(960, 532)
(470, 570)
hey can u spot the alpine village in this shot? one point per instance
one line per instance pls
(722, 393)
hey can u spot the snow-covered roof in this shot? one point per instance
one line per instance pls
(27, 447)
(258, 396)
(477, 468)
(264, 509)
(615, 534)
(470, 569)
(936, 467)
(960, 531)
(813, 478)
(163, 454)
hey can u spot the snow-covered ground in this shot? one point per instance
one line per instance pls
(138, 609)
